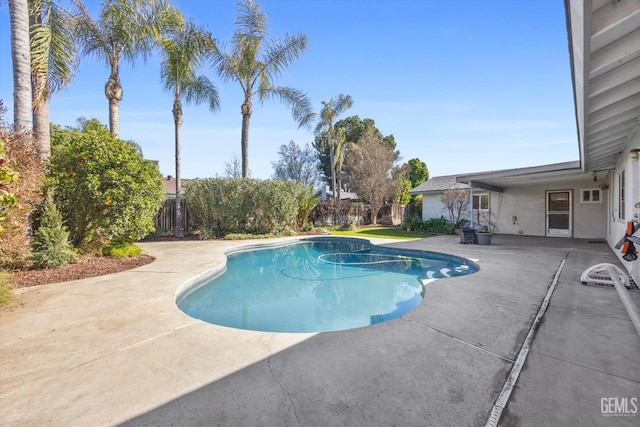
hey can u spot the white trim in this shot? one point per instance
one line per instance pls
(559, 232)
(591, 192)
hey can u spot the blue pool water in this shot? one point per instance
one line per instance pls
(316, 285)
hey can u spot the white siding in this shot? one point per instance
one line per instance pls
(617, 227)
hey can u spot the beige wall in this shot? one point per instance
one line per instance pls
(528, 205)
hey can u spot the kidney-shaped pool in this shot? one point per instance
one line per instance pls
(317, 285)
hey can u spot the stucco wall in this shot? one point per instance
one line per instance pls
(528, 205)
(432, 207)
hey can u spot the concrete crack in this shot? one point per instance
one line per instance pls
(273, 375)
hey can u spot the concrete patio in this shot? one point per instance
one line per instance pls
(117, 350)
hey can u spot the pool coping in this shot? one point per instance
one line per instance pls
(116, 349)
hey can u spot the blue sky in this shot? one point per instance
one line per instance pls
(463, 85)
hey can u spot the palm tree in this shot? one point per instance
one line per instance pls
(184, 49)
(255, 63)
(126, 30)
(330, 136)
(54, 58)
(20, 58)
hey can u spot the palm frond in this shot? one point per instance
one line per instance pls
(54, 56)
(201, 89)
(250, 24)
(281, 54)
(295, 99)
(183, 50)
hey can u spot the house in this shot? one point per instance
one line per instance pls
(593, 197)
(432, 190)
(169, 186)
(327, 194)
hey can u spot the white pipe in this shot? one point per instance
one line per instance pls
(632, 310)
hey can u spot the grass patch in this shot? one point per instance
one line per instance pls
(381, 232)
(5, 288)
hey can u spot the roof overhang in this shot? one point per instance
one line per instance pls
(604, 50)
(499, 180)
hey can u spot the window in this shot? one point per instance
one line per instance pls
(481, 202)
(590, 195)
(621, 195)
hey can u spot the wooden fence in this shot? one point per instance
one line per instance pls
(166, 218)
(325, 213)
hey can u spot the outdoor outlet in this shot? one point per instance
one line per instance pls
(520, 232)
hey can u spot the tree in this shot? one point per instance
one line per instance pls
(126, 30)
(330, 139)
(51, 245)
(21, 61)
(184, 48)
(103, 186)
(369, 165)
(255, 62)
(410, 175)
(296, 164)
(233, 169)
(54, 58)
(353, 128)
(418, 172)
(457, 204)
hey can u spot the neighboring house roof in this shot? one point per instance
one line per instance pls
(327, 194)
(169, 185)
(439, 184)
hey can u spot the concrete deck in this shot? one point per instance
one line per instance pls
(116, 350)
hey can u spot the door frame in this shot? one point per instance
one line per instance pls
(558, 232)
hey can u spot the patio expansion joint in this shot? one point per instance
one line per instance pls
(622, 317)
(96, 359)
(506, 359)
(507, 389)
(585, 367)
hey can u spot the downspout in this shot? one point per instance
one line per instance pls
(473, 225)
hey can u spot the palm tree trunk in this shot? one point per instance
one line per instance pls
(244, 142)
(21, 59)
(113, 92)
(333, 170)
(177, 119)
(41, 129)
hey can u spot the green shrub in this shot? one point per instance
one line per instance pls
(21, 176)
(7, 176)
(437, 226)
(225, 206)
(122, 248)
(432, 225)
(104, 187)
(51, 247)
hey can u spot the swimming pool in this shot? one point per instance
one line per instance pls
(317, 285)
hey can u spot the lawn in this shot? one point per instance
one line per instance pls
(382, 232)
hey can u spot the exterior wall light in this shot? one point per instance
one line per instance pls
(635, 154)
